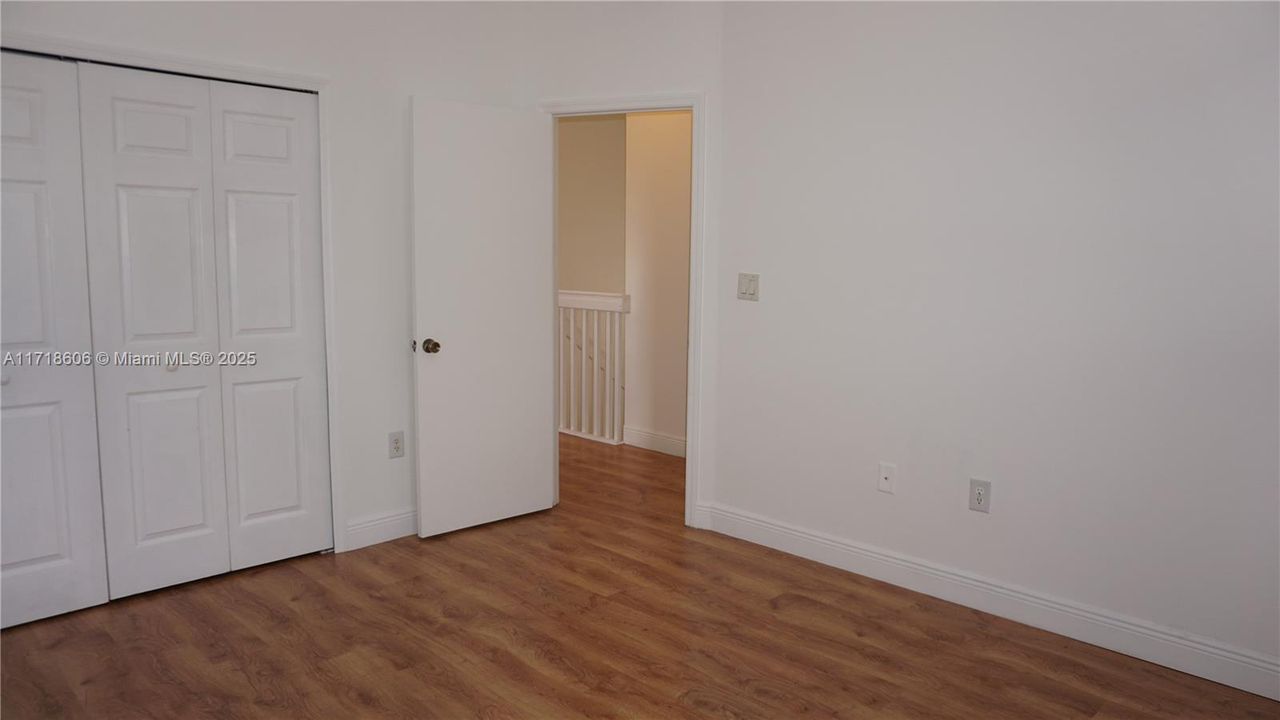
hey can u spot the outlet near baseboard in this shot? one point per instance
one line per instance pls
(979, 495)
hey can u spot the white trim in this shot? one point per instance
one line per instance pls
(656, 441)
(70, 48)
(607, 302)
(610, 106)
(557, 323)
(586, 436)
(700, 280)
(702, 515)
(1194, 654)
(78, 49)
(329, 270)
(374, 529)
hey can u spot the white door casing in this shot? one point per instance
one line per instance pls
(266, 181)
(149, 212)
(484, 288)
(52, 545)
(696, 513)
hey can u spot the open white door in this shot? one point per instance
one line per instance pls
(484, 290)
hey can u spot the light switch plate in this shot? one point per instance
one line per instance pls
(748, 286)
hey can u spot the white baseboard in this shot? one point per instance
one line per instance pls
(1189, 653)
(589, 436)
(702, 517)
(373, 529)
(649, 440)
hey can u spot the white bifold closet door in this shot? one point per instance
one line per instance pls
(266, 181)
(202, 219)
(51, 542)
(148, 182)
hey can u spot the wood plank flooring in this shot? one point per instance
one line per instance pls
(605, 606)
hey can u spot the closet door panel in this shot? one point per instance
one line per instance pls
(53, 559)
(267, 216)
(152, 268)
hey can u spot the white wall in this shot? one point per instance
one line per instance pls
(591, 199)
(377, 56)
(658, 152)
(1030, 243)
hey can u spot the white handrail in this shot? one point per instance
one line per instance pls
(609, 302)
(592, 363)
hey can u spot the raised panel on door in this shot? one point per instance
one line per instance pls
(34, 486)
(160, 267)
(267, 215)
(26, 264)
(153, 278)
(51, 545)
(168, 483)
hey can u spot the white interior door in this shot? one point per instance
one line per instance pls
(484, 289)
(149, 212)
(52, 546)
(266, 188)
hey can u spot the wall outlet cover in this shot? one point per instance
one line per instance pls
(395, 444)
(979, 495)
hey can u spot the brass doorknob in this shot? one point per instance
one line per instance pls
(430, 346)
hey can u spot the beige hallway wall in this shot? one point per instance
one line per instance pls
(590, 202)
(659, 153)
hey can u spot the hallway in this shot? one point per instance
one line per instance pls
(605, 606)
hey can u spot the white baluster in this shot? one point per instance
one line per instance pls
(620, 367)
(607, 420)
(582, 379)
(573, 388)
(595, 377)
(560, 385)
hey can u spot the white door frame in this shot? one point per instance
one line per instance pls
(143, 60)
(695, 103)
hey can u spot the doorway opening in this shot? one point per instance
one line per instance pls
(624, 197)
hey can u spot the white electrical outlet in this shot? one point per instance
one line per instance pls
(395, 444)
(887, 481)
(979, 495)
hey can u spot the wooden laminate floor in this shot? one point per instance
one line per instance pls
(605, 606)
